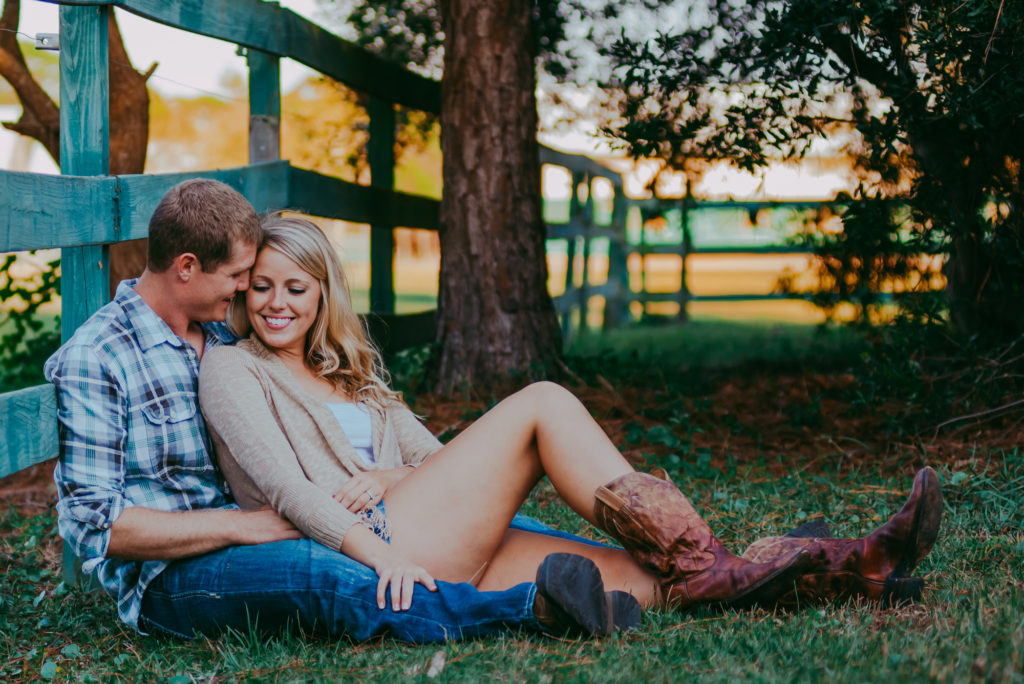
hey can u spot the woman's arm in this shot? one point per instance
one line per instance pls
(415, 441)
(237, 413)
(233, 400)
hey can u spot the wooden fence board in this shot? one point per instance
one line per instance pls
(42, 212)
(319, 195)
(380, 150)
(580, 163)
(264, 184)
(48, 211)
(396, 332)
(270, 28)
(28, 428)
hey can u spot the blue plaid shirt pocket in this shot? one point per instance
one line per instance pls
(176, 430)
(170, 408)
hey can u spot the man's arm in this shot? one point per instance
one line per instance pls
(96, 517)
(149, 534)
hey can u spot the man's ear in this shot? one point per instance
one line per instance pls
(186, 265)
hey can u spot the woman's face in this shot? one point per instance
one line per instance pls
(282, 302)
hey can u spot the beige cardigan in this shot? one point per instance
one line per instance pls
(278, 444)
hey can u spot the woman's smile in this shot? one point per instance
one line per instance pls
(282, 302)
(277, 322)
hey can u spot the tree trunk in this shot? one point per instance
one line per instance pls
(129, 136)
(496, 322)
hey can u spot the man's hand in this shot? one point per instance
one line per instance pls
(262, 527)
(148, 534)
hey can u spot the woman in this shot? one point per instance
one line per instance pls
(303, 420)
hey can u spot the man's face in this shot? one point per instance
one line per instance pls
(214, 291)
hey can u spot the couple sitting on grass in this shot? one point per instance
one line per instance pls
(214, 485)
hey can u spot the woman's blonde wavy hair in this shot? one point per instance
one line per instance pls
(337, 346)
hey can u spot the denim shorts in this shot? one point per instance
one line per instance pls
(376, 519)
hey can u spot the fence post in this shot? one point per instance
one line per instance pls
(587, 225)
(646, 214)
(264, 105)
(575, 209)
(381, 151)
(84, 151)
(616, 305)
(684, 253)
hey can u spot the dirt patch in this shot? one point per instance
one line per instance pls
(32, 490)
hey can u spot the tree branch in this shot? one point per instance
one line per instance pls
(40, 117)
(863, 65)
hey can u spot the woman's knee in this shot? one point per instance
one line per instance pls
(547, 397)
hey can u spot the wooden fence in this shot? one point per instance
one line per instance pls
(84, 210)
(582, 229)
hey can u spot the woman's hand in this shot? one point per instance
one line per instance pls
(402, 575)
(392, 569)
(367, 488)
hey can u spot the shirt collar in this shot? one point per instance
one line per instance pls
(151, 329)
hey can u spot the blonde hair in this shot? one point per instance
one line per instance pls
(337, 346)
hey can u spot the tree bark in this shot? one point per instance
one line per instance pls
(129, 120)
(496, 322)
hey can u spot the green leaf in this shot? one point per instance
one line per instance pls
(71, 651)
(48, 670)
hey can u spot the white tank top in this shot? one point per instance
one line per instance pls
(355, 422)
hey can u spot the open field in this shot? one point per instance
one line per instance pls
(743, 418)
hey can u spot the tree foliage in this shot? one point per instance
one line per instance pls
(929, 94)
(565, 31)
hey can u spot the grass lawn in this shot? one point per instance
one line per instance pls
(665, 401)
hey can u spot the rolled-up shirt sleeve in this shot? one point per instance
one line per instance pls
(90, 472)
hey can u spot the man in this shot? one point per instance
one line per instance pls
(144, 506)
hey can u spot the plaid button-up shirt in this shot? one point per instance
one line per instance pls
(131, 434)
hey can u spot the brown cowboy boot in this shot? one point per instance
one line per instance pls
(877, 566)
(662, 531)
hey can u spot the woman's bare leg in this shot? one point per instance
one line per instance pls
(452, 513)
(521, 552)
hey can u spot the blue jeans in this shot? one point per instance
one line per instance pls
(322, 591)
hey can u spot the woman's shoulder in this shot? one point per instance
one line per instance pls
(229, 358)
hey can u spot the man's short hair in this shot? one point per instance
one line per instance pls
(204, 217)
